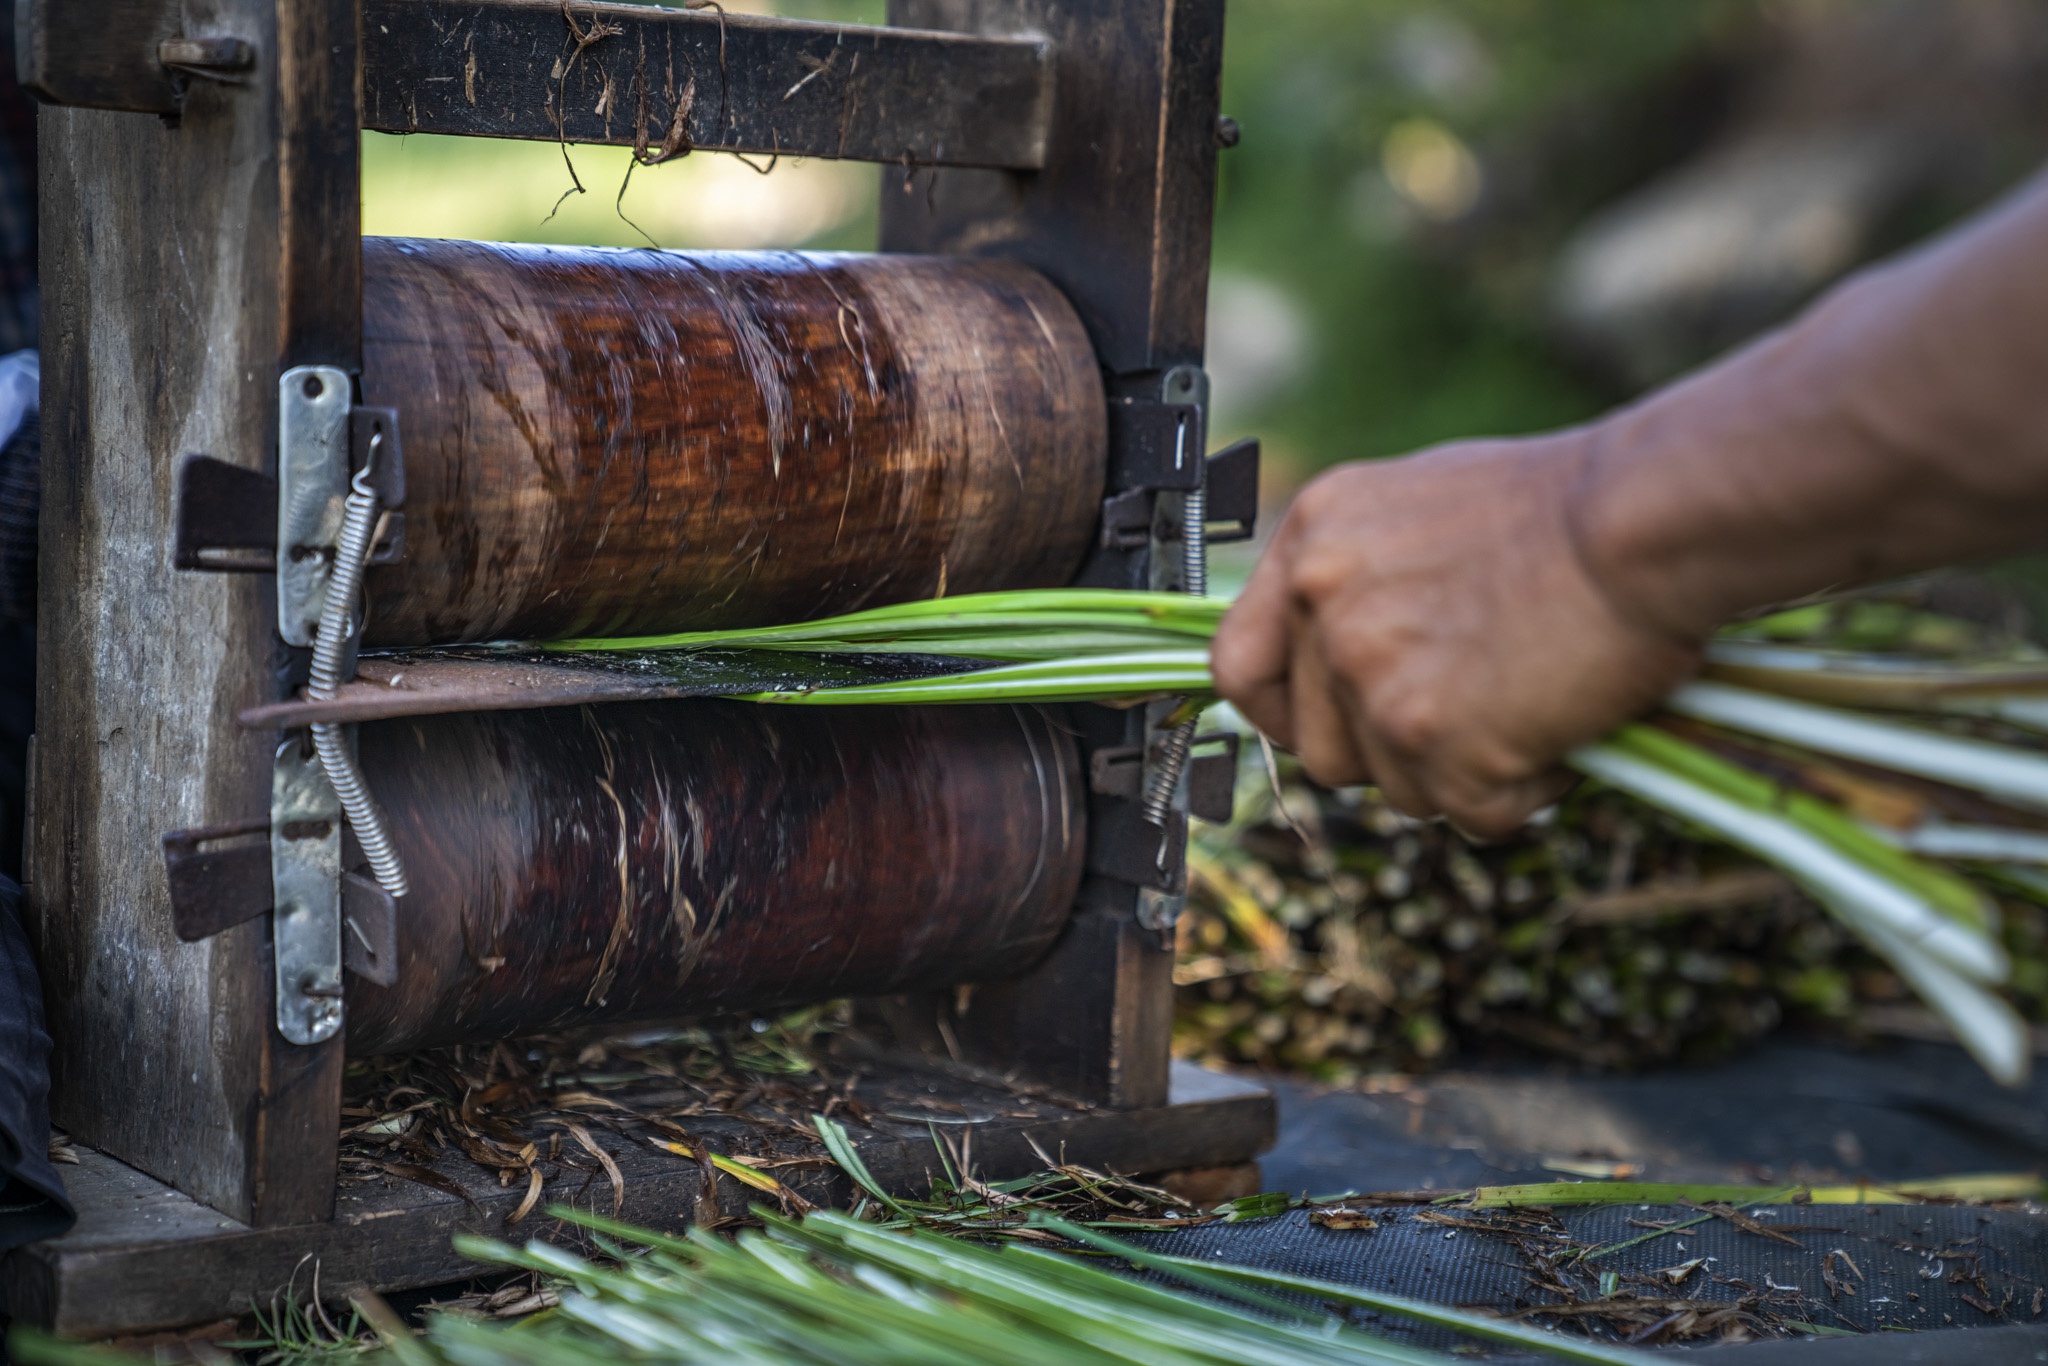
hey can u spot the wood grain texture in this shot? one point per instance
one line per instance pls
(684, 859)
(669, 80)
(319, 155)
(1120, 216)
(151, 237)
(617, 442)
(144, 1257)
(166, 268)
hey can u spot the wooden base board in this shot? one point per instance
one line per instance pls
(145, 1257)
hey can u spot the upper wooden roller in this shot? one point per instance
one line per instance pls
(619, 442)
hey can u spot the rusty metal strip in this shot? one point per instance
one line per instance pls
(440, 682)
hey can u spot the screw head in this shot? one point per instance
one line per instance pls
(1227, 131)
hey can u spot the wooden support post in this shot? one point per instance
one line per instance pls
(186, 262)
(1119, 219)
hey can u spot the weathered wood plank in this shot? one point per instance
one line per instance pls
(320, 214)
(664, 81)
(144, 1257)
(146, 250)
(668, 80)
(166, 301)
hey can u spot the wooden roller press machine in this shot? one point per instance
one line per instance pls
(565, 441)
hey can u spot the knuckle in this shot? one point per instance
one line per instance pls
(1317, 574)
(1410, 722)
(1357, 655)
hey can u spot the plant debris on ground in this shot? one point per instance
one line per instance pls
(526, 1109)
(1337, 939)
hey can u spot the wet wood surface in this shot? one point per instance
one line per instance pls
(686, 859)
(145, 1257)
(607, 442)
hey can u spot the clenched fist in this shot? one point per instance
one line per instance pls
(1430, 625)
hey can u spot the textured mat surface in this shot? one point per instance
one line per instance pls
(1791, 1109)
(1845, 1268)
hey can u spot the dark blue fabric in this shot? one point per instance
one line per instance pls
(19, 294)
(32, 1200)
(20, 483)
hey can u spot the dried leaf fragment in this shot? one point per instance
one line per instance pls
(1343, 1219)
(533, 1185)
(611, 1168)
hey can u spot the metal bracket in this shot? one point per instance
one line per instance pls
(227, 514)
(1212, 777)
(1127, 519)
(220, 877)
(313, 407)
(1232, 477)
(226, 517)
(1157, 442)
(1124, 845)
(305, 880)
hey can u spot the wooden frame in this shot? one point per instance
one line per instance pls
(193, 256)
(184, 268)
(1119, 219)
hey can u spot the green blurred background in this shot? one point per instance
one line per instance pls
(1443, 219)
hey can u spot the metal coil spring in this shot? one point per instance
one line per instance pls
(337, 628)
(1194, 574)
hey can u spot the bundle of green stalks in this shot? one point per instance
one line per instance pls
(1896, 823)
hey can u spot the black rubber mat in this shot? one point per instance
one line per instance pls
(1835, 1268)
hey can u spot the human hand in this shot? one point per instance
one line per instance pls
(1431, 625)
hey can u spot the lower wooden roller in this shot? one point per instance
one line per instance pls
(605, 442)
(645, 861)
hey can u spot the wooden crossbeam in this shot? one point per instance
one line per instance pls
(663, 81)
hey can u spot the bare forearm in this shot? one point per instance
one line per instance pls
(1452, 624)
(1900, 424)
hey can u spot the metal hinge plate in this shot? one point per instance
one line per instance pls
(305, 880)
(313, 405)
